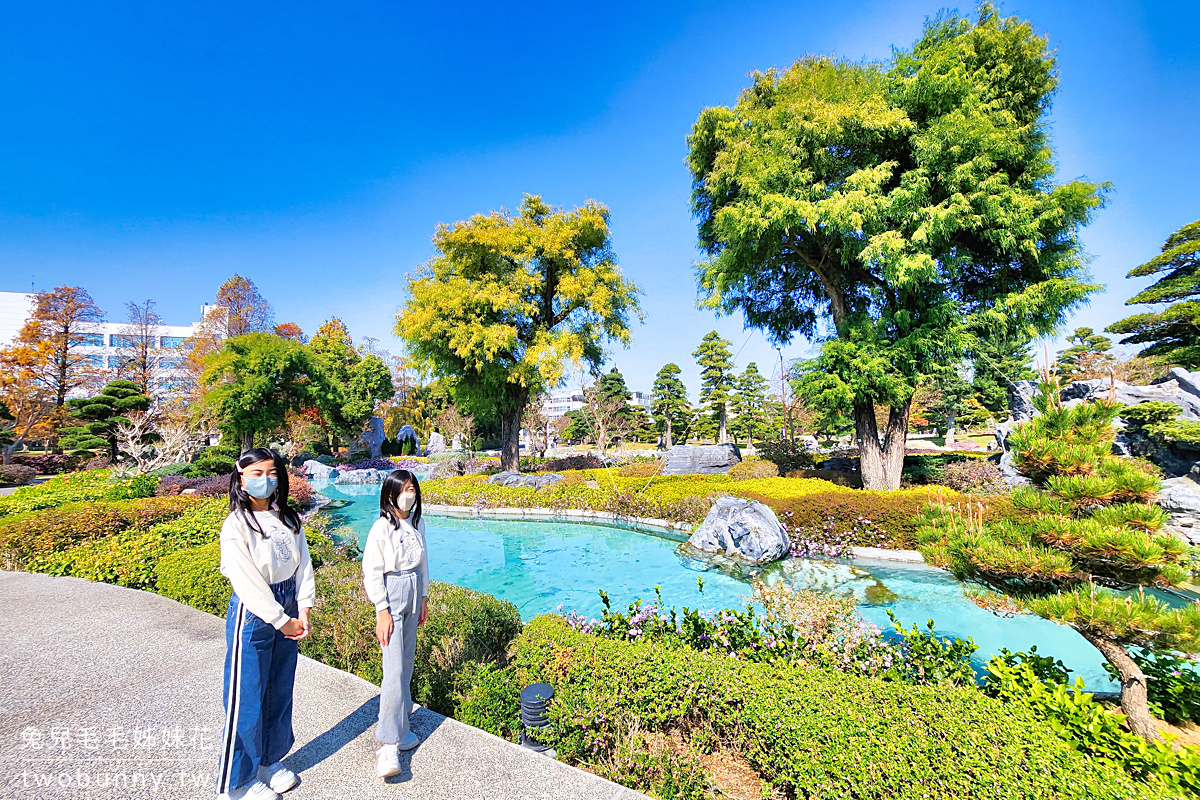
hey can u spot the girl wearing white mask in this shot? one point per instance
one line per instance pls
(265, 557)
(396, 576)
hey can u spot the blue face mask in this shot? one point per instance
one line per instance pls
(260, 486)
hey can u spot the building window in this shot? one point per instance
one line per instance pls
(125, 341)
(95, 362)
(172, 342)
(173, 362)
(115, 362)
(88, 340)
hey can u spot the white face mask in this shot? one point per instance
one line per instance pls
(406, 500)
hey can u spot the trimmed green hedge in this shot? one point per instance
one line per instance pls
(809, 732)
(130, 558)
(34, 539)
(464, 628)
(73, 487)
(193, 577)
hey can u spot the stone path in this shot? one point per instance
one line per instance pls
(114, 693)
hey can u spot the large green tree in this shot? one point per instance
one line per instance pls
(749, 402)
(1173, 332)
(510, 300)
(351, 384)
(892, 210)
(253, 381)
(95, 419)
(716, 379)
(669, 404)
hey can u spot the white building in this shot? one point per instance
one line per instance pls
(103, 343)
(562, 402)
(558, 404)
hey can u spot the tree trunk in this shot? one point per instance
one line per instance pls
(6, 453)
(881, 463)
(510, 440)
(247, 440)
(949, 441)
(1134, 703)
(667, 431)
(723, 434)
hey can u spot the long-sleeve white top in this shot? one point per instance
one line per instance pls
(252, 562)
(393, 549)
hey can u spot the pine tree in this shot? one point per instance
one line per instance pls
(1174, 332)
(1089, 356)
(749, 401)
(669, 404)
(99, 417)
(716, 375)
(999, 361)
(951, 400)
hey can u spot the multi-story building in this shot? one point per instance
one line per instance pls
(105, 344)
(558, 404)
(562, 402)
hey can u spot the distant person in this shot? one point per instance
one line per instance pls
(396, 576)
(437, 442)
(265, 557)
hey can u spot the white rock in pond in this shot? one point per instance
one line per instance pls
(361, 476)
(743, 528)
(318, 471)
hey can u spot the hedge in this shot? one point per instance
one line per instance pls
(683, 498)
(193, 577)
(28, 540)
(130, 558)
(463, 628)
(96, 484)
(809, 732)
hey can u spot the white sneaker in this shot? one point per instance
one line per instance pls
(388, 763)
(278, 777)
(253, 791)
(409, 741)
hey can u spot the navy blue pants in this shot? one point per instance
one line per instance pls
(260, 671)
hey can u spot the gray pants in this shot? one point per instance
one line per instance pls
(405, 595)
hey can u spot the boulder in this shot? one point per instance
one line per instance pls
(1011, 476)
(689, 459)
(362, 476)
(512, 479)
(373, 437)
(1020, 400)
(1180, 497)
(1170, 391)
(318, 471)
(746, 529)
(810, 444)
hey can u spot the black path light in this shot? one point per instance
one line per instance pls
(533, 715)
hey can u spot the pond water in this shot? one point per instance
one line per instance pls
(540, 566)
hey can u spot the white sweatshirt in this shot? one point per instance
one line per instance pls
(391, 549)
(253, 562)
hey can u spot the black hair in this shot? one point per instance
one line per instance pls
(239, 499)
(393, 485)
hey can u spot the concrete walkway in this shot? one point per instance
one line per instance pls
(113, 693)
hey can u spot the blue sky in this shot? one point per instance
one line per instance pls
(152, 150)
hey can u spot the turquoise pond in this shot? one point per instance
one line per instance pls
(539, 566)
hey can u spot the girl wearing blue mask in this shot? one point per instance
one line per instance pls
(265, 557)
